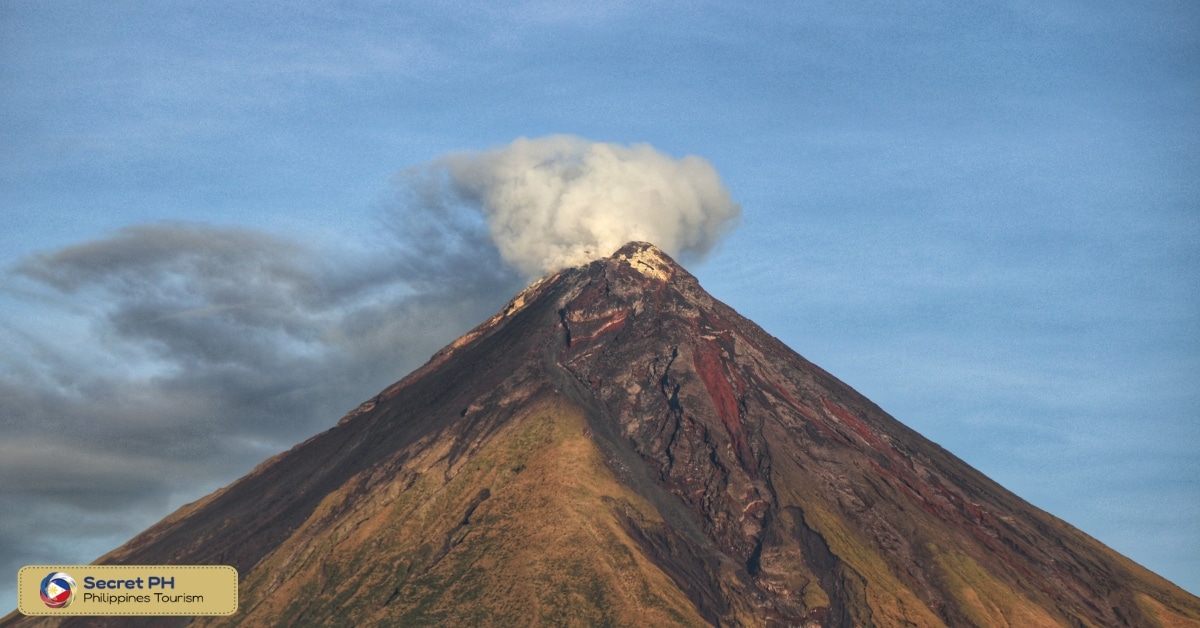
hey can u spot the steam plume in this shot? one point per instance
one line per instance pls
(561, 200)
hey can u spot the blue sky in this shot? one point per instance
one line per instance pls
(984, 216)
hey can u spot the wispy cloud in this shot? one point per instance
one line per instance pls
(228, 345)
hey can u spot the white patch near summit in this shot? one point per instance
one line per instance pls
(649, 261)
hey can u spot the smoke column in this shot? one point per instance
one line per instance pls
(561, 200)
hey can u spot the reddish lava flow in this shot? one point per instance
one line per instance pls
(706, 357)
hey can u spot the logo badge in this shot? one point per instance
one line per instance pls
(58, 589)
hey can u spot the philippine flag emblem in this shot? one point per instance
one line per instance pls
(58, 589)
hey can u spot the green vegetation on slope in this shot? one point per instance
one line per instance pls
(516, 533)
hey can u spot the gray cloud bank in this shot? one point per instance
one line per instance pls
(205, 349)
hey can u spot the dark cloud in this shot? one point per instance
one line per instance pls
(212, 348)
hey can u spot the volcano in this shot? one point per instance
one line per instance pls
(616, 447)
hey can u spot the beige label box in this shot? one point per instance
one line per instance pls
(127, 590)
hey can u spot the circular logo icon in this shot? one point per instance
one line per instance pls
(58, 589)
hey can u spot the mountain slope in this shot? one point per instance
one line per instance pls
(616, 447)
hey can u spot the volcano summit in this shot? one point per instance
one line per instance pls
(616, 447)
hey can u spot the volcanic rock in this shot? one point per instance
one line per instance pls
(616, 447)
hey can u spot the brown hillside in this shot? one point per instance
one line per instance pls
(616, 447)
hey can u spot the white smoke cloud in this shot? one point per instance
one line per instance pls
(561, 200)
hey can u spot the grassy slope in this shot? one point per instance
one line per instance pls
(984, 599)
(543, 548)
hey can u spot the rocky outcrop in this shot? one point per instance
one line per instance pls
(614, 447)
